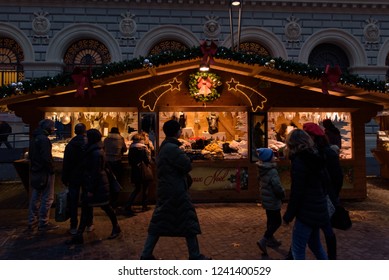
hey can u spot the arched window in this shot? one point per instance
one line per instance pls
(85, 53)
(11, 56)
(167, 46)
(253, 48)
(324, 54)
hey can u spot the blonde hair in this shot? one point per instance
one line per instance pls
(298, 140)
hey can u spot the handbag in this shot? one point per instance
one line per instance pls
(62, 206)
(341, 218)
(114, 185)
(146, 172)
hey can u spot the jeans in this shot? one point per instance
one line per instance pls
(40, 203)
(191, 242)
(273, 222)
(304, 234)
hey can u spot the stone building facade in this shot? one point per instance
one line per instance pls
(50, 34)
(46, 38)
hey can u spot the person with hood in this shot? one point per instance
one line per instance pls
(95, 187)
(42, 177)
(72, 174)
(174, 213)
(307, 202)
(114, 148)
(335, 174)
(138, 153)
(272, 194)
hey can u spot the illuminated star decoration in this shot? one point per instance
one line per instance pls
(256, 100)
(150, 98)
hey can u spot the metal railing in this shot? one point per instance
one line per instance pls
(17, 140)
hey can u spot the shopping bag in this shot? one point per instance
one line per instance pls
(62, 206)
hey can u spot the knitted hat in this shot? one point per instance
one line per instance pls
(313, 129)
(265, 154)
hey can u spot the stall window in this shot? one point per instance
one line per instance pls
(281, 123)
(211, 135)
(258, 125)
(126, 122)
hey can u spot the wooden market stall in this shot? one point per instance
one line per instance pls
(249, 104)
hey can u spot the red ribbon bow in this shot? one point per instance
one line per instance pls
(83, 79)
(331, 77)
(208, 52)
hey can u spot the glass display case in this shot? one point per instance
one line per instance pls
(126, 122)
(279, 124)
(210, 135)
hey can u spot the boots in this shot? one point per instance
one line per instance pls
(262, 245)
(115, 232)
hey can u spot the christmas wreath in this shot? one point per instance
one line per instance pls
(202, 86)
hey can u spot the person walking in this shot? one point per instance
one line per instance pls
(272, 194)
(5, 131)
(114, 148)
(307, 202)
(95, 188)
(72, 175)
(42, 177)
(335, 174)
(174, 214)
(138, 153)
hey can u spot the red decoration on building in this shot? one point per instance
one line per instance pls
(82, 77)
(331, 77)
(208, 52)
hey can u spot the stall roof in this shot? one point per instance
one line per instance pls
(255, 71)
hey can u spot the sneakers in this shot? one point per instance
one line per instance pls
(90, 228)
(129, 213)
(32, 226)
(73, 231)
(262, 245)
(47, 227)
(273, 243)
(115, 232)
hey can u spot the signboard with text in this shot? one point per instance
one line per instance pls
(219, 178)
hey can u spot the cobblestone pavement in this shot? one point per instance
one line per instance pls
(230, 232)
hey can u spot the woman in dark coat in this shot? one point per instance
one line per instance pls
(96, 187)
(335, 175)
(174, 214)
(307, 201)
(138, 153)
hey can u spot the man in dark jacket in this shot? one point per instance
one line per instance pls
(72, 174)
(42, 177)
(174, 214)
